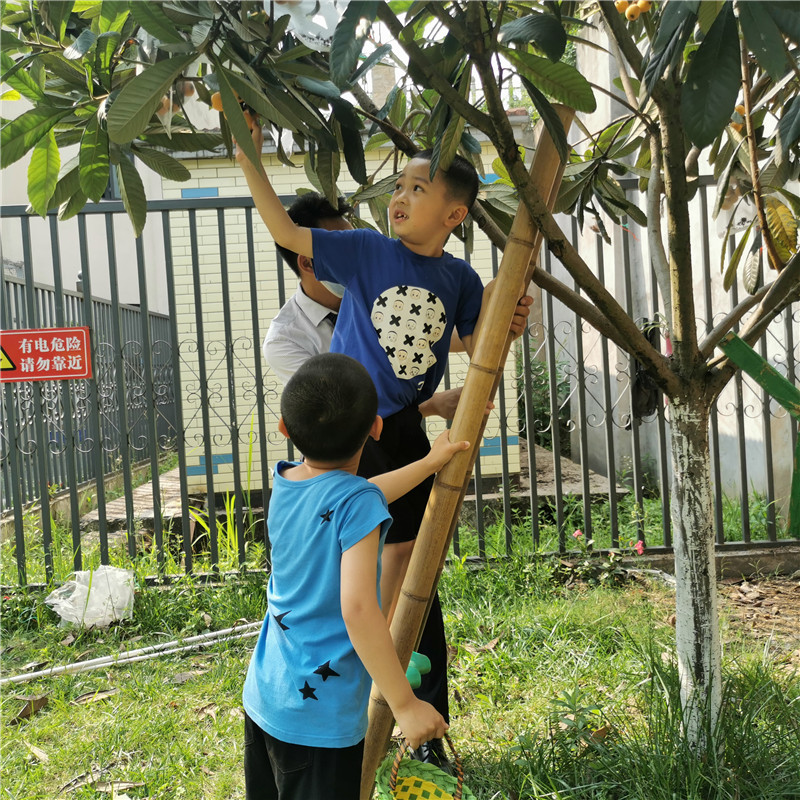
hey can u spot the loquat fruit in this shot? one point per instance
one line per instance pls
(621, 6)
(644, 6)
(632, 13)
(216, 101)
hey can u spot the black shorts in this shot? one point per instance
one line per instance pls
(402, 441)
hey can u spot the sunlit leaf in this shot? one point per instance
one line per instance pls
(138, 100)
(153, 19)
(20, 80)
(81, 46)
(733, 264)
(751, 272)
(94, 161)
(19, 135)
(782, 226)
(132, 191)
(560, 81)
(165, 165)
(43, 173)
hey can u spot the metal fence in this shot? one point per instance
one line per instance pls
(573, 392)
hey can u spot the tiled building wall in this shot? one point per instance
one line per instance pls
(219, 177)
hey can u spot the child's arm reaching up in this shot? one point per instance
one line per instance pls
(278, 222)
(396, 483)
(369, 634)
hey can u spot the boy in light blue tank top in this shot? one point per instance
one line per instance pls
(325, 638)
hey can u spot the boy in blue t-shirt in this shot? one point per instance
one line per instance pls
(403, 298)
(325, 637)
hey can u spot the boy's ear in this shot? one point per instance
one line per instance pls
(282, 428)
(305, 264)
(377, 428)
(457, 215)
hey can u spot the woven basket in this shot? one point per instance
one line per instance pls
(401, 778)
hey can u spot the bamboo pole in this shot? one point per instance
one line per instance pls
(483, 378)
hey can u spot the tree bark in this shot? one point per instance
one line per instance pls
(697, 628)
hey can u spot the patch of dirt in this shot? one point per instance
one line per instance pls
(764, 609)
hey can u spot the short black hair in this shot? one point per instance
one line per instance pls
(461, 178)
(308, 211)
(328, 407)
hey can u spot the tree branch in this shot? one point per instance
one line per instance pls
(658, 256)
(716, 334)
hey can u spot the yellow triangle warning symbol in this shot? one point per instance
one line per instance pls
(5, 362)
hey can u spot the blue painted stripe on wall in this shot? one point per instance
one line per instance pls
(201, 191)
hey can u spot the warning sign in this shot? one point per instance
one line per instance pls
(45, 354)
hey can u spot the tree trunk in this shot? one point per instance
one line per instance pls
(697, 624)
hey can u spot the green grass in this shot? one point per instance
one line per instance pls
(537, 670)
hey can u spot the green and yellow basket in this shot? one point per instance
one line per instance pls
(401, 778)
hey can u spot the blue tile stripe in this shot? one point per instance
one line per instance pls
(494, 446)
(216, 460)
(201, 191)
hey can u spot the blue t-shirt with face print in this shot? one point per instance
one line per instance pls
(398, 311)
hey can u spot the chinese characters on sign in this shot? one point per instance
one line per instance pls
(45, 354)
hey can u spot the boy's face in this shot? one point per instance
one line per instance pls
(421, 212)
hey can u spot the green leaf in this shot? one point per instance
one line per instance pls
(369, 62)
(21, 134)
(20, 80)
(55, 14)
(348, 40)
(346, 116)
(94, 161)
(543, 30)
(788, 130)
(263, 106)
(138, 100)
(787, 17)
(558, 80)
(353, 150)
(234, 115)
(104, 53)
(677, 24)
(43, 173)
(81, 46)
(132, 191)
(68, 71)
(68, 184)
(165, 165)
(184, 142)
(113, 14)
(782, 226)
(751, 274)
(328, 172)
(551, 120)
(71, 206)
(326, 89)
(763, 38)
(733, 264)
(153, 19)
(382, 187)
(713, 81)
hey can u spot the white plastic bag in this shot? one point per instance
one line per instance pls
(95, 598)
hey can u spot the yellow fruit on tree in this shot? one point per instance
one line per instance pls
(644, 6)
(216, 101)
(632, 13)
(621, 6)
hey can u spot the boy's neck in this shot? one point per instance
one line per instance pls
(312, 468)
(433, 250)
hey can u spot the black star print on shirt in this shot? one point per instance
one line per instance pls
(326, 517)
(326, 672)
(279, 620)
(308, 692)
